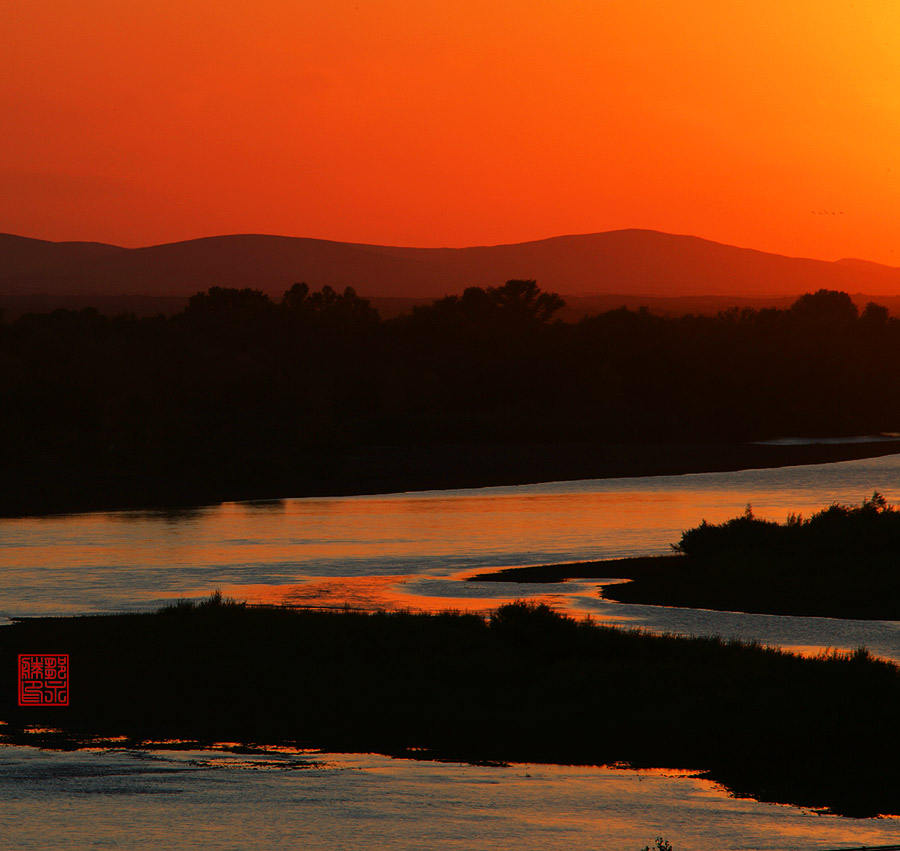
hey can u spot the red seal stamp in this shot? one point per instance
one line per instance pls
(43, 679)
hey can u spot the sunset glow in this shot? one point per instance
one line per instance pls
(763, 124)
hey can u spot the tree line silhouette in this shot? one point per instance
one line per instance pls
(239, 393)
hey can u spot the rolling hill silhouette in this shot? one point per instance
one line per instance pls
(626, 262)
(23, 257)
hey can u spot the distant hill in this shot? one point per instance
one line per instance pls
(21, 256)
(629, 263)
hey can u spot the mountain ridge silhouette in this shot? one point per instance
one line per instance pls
(630, 261)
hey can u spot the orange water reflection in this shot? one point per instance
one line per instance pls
(370, 593)
(814, 650)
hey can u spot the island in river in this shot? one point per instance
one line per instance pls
(524, 685)
(841, 562)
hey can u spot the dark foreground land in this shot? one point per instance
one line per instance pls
(840, 563)
(525, 685)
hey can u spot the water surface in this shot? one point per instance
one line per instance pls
(409, 550)
(183, 800)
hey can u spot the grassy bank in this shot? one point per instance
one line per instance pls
(842, 562)
(525, 685)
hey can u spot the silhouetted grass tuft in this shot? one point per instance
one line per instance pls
(214, 601)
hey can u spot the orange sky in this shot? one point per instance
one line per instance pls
(454, 122)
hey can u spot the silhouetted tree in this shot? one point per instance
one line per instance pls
(346, 307)
(219, 302)
(297, 297)
(524, 299)
(825, 305)
(517, 301)
(233, 317)
(875, 314)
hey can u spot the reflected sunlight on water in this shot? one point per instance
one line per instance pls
(408, 550)
(187, 799)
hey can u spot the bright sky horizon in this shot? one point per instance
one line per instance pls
(763, 124)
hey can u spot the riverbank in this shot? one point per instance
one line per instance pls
(394, 469)
(726, 586)
(526, 685)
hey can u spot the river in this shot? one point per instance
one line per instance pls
(409, 551)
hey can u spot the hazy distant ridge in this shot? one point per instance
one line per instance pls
(636, 262)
